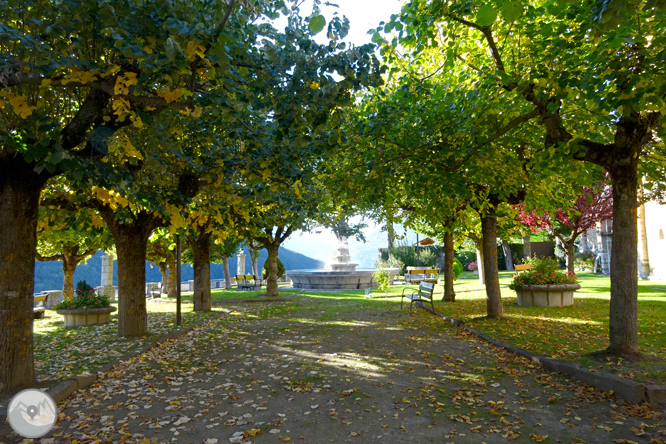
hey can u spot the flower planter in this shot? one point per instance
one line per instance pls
(89, 316)
(559, 295)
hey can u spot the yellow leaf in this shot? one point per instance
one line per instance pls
(21, 108)
(120, 107)
(175, 218)
(297, 188)
(124, 82)
(194, 49)
(266, 174)
(169, 95)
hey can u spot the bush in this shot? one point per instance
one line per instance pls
(389, 262)
(280, 267)
(428, 257)
(457, 268)
(406, 256)
(584, 261)
(545, 271)
(465, 257)
(84, 297)
(382, 276)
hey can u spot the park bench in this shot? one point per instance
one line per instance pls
(423, 294)
(40, 305)
(153, 290)
(247, 282)
(522, 268)
(414, 276)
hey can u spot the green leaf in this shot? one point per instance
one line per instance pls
(512, 10)
(377, 38)
(316, 24)
(486, 15)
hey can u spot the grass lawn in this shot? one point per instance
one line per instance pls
(567, 332)
(223, 295)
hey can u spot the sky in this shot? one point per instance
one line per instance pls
(363, 15)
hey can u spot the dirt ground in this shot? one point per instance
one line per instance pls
(316, 370)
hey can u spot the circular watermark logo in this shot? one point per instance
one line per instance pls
(32, 413)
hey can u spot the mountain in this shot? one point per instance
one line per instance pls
(49, 276)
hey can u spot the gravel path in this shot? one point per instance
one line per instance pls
(315, 370)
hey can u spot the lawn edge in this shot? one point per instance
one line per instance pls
(623, 388)
(252, 301)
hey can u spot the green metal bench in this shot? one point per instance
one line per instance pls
(423, 294)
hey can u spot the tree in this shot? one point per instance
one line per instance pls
(412, 146)
(63, 99)
(592, 205)
(595, 83)
(68, 236)
(161, 252)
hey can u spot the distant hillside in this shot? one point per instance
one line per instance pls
(49, 276)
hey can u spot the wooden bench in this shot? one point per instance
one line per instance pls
(416, 276)
(423, 294)
(522, 268)
(40, 305)
(247, 282)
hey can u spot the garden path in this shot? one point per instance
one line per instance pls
(317, 370)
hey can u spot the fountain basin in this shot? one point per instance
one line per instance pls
(336, 280)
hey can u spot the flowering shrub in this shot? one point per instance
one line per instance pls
(85, 297)
(545, 271)
(472, 266)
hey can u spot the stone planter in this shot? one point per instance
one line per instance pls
(90, 316)
(547, 295)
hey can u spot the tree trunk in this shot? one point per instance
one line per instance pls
(391, 236)
(623, 322)
(201, 266)
(570, 250)
(480, 264)
(164, 273)
(449, 277)
(20, 187)
(272, 275)
(172, 288)
(645, 257)
(131, 244)
(254, 255)
(69, 264)
(508, 260)
(227, 276)
(490, 269)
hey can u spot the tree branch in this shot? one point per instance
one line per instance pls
(55, 257)
(511, 125)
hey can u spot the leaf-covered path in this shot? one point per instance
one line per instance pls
(318, 370)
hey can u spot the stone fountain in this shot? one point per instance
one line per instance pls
(342, 274)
